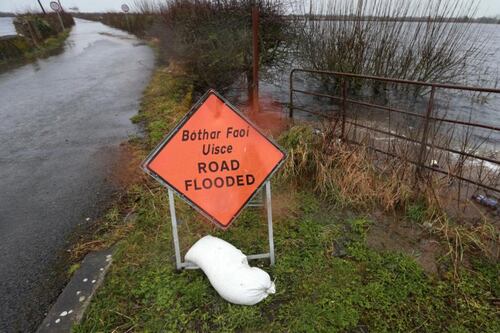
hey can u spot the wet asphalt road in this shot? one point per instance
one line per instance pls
(61, 122)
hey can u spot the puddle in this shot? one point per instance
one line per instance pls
(389, 234)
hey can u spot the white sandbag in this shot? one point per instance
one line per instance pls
(229, 273)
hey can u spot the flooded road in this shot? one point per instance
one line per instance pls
(61, 122)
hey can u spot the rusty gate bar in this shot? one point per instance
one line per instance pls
(398, 136)
(344, 108)
(427, 118)
(392, 80)
(380, 107)
(427, 167)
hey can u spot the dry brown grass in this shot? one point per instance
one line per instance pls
(343, 173)
(462, 237)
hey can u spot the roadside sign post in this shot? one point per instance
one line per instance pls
(57, 8)
(217, 161)
(126, 9)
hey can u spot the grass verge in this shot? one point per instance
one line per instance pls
(327, 278)
(47, 48)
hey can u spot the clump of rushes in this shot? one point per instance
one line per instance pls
(343, 173)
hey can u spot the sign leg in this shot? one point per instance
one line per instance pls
(175, 235)
(270, 222)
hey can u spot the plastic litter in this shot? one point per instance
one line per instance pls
(229, 273)
(485, 201)
(434, 164)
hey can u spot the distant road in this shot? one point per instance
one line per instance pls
(61, 122)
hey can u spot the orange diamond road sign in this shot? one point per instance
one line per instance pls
(215, 158)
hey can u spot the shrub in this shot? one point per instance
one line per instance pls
(13, 47)
(213, 39)
(402, 39)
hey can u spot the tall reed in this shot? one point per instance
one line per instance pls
(414, 40)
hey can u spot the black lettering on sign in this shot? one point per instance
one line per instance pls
(219, 182)
(202, 167)
(213, 166)
(207, 183)
(212, 149)
(237, 132)
(201, 134)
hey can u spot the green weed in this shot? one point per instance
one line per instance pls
(73, 268)
(416, 212)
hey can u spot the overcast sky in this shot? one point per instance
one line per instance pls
(486, 8)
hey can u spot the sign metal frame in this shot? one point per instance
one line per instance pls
(179, 264)
(265, 186)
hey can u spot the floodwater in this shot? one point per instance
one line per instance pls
(485, 74)
(6, 26)
(482, 109)
(62, 120)
(450, 104)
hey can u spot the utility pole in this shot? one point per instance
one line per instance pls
(43, 10)
(255, 73)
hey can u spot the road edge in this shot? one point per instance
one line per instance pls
(71, 304)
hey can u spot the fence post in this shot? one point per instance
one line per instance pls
(425, 134)
(344, 108)
(290, 106)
